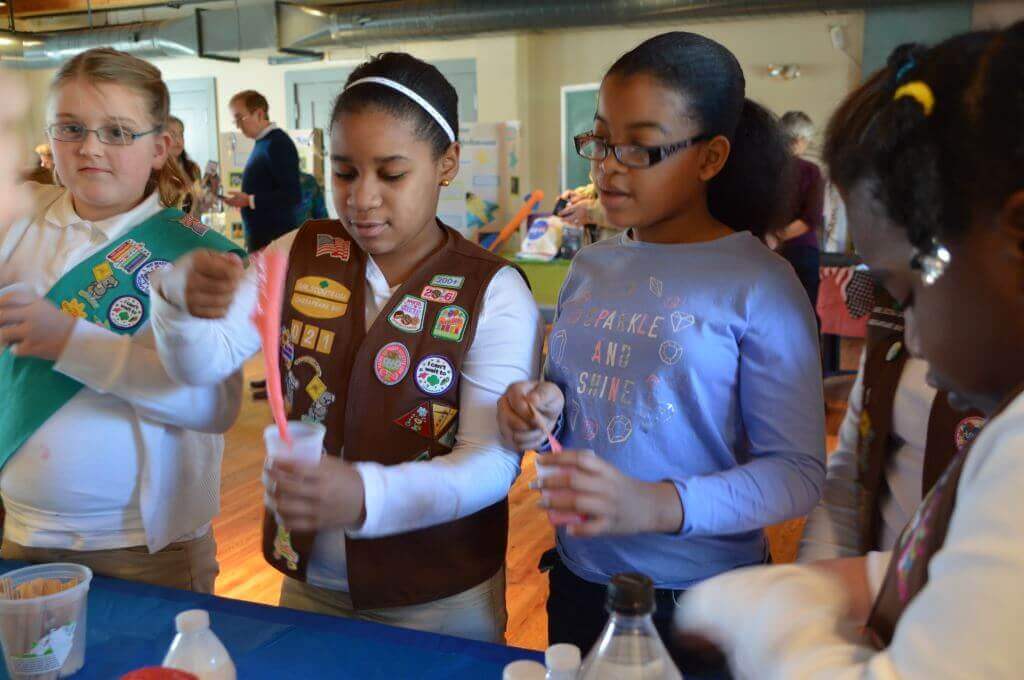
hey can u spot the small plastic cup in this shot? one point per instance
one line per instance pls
(307, 442)
(43, 637)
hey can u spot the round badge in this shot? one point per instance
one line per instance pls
(142, 276)
(434, 375)
(391, 363)
(126, 312)
(967, 430)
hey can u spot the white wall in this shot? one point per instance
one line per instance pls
(519, 76)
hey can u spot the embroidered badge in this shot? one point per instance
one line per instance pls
(422, 457)
(392, 363)
(287, 351)
(317, 412)
(74, 308)
(448, 281)
(451, 323)
(283, 549)
(315, 387)
(128, 256)
(332, 246)
(320, 298)
(445, 296)
(126, 312)
(893, 351)
(418, 420)
(195, 224)
(142, 277)
(95, 291)
(434, 375)
(102, 271)
(967, 430)
(408, 315)
(447, 440)
(296, 331)
(443, 415)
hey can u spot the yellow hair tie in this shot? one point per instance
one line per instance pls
(920, 91)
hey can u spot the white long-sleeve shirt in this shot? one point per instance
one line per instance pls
(788, 622)
(134, 457)
(834, 527)
(478, 471)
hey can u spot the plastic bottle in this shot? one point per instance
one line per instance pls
(523, 670)
(629, 647)
(197, 650)
(563, 662)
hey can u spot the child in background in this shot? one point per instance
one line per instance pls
(683, 363)
(105, 460)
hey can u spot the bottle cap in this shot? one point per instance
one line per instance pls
(631, 594)
(563, 657)
(192, 620)
(524, 670)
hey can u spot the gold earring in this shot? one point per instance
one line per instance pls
(446, 182)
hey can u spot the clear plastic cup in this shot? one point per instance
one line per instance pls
(307, 442)
(43, 637)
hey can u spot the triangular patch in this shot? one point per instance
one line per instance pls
(448, 440)
(443, 416)
(418, 420)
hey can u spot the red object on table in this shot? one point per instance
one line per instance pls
(845, 299)
(155, 673)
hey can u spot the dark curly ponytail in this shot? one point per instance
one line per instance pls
(940, 131)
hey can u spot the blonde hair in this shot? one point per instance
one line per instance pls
(105, 65)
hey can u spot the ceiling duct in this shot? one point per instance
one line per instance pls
(365, 23)
(201, 33)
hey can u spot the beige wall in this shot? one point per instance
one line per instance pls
(519, 76)
(576, 57)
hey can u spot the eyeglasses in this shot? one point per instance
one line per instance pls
(593, 148)
(240, 118)
(114, 135)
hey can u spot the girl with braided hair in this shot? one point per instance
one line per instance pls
(929, 156)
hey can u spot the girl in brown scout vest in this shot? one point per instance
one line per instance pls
(399, 336)
(929, 156)
(897, 438)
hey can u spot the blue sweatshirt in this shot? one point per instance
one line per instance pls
(272, 176)
(696, 364)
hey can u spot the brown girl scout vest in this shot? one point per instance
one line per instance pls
(924, 536)
(387, 394)
(948, 430)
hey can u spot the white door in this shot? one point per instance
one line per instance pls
(194, 101)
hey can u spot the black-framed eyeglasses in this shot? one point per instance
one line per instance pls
(594, 148)
(114, 135)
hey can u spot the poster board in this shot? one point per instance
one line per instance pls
(579, 104)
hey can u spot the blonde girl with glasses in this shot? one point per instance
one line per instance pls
(104, 460)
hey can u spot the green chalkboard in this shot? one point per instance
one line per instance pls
(579, 103)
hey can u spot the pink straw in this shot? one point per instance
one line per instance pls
(272, 266)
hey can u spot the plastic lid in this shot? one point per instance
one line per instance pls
(524, 670)
(192, 620)
(563, 657)
(630, 593)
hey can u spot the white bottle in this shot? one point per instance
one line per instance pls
(523, 670)
(563, 662)
(197, 650)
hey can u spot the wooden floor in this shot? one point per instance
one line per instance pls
(244, 575)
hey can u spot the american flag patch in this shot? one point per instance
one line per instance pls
(332, 246)
(194, 223)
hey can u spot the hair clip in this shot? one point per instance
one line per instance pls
(918, 90)
(905, 68)
(933, 263)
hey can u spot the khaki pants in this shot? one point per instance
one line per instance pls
(189, 565)
(478, 613)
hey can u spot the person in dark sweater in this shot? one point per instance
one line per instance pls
(270, 191)
(798, 241)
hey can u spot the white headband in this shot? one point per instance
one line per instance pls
(424, 104)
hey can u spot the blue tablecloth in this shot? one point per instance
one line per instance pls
(131, 625)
